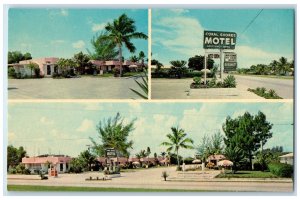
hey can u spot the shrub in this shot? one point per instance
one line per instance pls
(11, 72)
(178, 168)
(37, 72)
(281, 169)
(197, 80)
(12, 171)
(193, 74)
(212, 83)
(20, 168)
(164, 175)
(229, 82)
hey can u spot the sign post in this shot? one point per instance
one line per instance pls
(205, 66)
(218, 40)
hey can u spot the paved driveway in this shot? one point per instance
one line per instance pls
(180, 89)
(151, 178)
(74, 88)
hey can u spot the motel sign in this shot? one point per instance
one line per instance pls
(219, 40)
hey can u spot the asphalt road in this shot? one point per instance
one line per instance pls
(283, 87)
(73, 88)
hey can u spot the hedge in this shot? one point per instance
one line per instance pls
(281, 169)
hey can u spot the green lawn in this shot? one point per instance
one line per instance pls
(247, 174)
(36, 188)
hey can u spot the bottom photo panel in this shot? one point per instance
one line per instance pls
(150, 147)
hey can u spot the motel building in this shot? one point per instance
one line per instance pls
(43, 162)
(48, 66)
(287, 158)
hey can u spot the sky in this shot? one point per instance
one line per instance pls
(65, 128)
(64, 32)
(177, 34)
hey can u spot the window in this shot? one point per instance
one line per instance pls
(61, 167)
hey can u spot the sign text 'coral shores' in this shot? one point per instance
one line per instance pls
(219, 40)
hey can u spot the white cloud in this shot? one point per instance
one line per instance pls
(46, 121)
(182, 35)
(179, 11)
(57, 42)
(98, 27)
(247, 56)
(79, 44)
(85, 125)
(64, 12)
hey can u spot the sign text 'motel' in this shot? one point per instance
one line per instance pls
(219, 40)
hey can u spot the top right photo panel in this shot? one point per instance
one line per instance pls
(222, 53)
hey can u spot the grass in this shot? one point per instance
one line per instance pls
(248, 174)
(127, 74)
(38, 188)
(262, 92)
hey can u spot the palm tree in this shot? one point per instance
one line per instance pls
(282, 65)
(120, 32)
(177, 140)
(142, 57)
(178, 67)
(142, 85)
(274, 65)
(134, 58)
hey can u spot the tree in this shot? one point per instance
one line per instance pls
(210, 145)
(235, 155)
(120, 32)
(273, 65)
(32, 66)
(17, 56)
(247, 132)
(282, 65)
(163, 154)
(157, 64)
(142, 57)
(104, 49)
(148, 152)
(81, 61)
(113, 133)
(87, 159)
(178, 68)
(177, 140)
(197, 63)
(134, 58)
(14, 155)
(76, 165)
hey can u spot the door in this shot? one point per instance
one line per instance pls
(48, 70)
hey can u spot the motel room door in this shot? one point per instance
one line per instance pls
(48, 69)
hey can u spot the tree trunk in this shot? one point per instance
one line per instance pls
(250, 159)
(120, 59)
(178, 163)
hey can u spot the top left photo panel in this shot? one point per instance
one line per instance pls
(77, 53)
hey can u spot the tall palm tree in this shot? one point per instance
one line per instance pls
(274, 65)
(142, 57)
(282, 65)
(177, 140)
(120, 32)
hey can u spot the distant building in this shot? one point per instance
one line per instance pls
(215, 158)
(47, 66)
(44, 162)
(287, 158)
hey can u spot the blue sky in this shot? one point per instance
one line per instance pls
(177, 34)
(64, 32)
(65, 127)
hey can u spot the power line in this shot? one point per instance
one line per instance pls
(252, 20)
